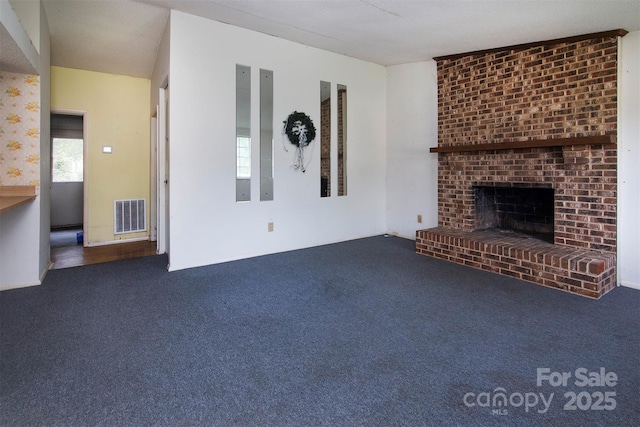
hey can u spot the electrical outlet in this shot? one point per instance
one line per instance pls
(270, 227)
(420, 219)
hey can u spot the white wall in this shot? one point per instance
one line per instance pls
(28, 12)
(628, 161)
(206, 224)
(19, 246)
(24, 231)
(412, 127)
(45, 145)
(67, 207)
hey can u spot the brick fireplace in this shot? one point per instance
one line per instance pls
(527, 162)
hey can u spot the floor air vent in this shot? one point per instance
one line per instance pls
(129, 216)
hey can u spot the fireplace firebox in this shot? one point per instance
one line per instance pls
(526, 210)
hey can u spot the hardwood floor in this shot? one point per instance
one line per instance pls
(73, 256)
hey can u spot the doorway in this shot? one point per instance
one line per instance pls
(68, 194)
(67, 179)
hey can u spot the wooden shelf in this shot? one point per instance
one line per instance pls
(534, 143)
(13, 196)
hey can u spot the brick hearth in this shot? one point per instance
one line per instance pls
(583, 272)
(564, 91)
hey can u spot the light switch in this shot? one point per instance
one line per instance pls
(107, 149)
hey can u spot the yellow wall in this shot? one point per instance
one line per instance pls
(117, 115)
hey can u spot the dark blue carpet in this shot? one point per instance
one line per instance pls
(361, 333)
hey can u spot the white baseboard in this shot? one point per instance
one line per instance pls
(628, 284)
(28, 284)
(115, 242)
(19, 285)
(46, 270)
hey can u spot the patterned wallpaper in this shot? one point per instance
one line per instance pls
(19, 129)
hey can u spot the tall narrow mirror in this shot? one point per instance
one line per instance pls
(243, 133)
(325, 139)
(342, 140)
(266, 135)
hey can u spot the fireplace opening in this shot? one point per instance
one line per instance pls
(525, 210)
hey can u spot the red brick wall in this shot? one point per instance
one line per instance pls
(542, 92)
(559, 91)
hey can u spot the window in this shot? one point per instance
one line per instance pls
(67, 160)
(243, 165)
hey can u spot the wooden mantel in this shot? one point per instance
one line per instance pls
(533, 143)
(12, 196)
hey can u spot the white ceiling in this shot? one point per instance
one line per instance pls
(122, 36)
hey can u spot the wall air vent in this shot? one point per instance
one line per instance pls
(129, 216)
